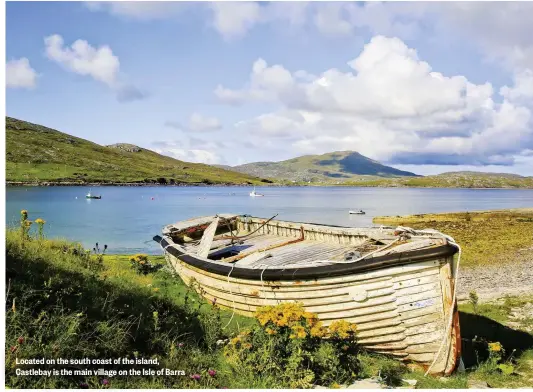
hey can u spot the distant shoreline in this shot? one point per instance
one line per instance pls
(135, 184)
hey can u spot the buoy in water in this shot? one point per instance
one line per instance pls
(152, 198)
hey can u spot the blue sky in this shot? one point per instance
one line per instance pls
(424, 87)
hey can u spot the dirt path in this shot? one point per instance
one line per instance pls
(496, 281)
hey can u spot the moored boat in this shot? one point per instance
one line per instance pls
(397, 285)
(254, 194)
(357, 212)
(91, 196)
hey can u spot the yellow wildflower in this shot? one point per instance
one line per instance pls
(495, 347)
(156, 289)
(335, 385)
(318, 330)
(270, 331)
(24, 213)
(298, 332)
(40, 221)
(342, 329)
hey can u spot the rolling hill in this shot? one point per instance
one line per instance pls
(462, 179)
(37, 154)
(339, 166)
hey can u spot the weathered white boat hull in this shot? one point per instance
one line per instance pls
(402, 310)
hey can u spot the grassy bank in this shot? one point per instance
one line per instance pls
(477, 180)
(486, 237)
(36, 154)
(63, 302)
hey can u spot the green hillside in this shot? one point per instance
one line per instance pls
(338, 166)
(464, 179)
(37, 154)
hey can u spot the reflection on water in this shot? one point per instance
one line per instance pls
(126, 218)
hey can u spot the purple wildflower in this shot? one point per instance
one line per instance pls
(84, 385)
(195, 377)
(180, 344)
(212, 372)
(105, 381)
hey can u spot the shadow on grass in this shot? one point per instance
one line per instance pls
(40, 286)
(477, 330)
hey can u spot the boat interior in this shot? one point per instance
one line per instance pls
(260, 243)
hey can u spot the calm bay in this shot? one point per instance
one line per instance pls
(126, 218)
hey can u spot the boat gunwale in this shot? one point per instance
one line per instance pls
(305, 273)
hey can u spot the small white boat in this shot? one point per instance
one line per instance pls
(91, 196)
(253, 194)
(357, 212)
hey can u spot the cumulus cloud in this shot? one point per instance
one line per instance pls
(233, 19)
(187, 152)
(19, 74)
(196, 123)
(99, 63)
(502, 30)
(393, 107)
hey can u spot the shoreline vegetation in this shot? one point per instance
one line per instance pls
(487, 237)
(69, 302)
(263, 183)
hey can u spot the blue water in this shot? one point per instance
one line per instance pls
(126, 218)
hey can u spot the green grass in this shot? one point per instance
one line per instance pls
(38, 154)
(452, 180)
(65, 308)
(485, 237)
(64, 304)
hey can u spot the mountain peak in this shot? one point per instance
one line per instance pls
(333, 166)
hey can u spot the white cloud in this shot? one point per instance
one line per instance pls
(199, 123)
(179, 151)
(502, 30)
(234, 19)
(196, 156)
(264, 85)
(331, 19)
(394, 107)
(83, 59)
(19, 74)
(99, 63)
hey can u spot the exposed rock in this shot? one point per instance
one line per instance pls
(477, 384)
(367, 383)
(126, 147)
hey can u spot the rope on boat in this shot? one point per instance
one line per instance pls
(262, 283)
(450, 323)
(234, 237)
(229, 286)
(452, 242)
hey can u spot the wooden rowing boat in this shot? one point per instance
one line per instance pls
(397, 285)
